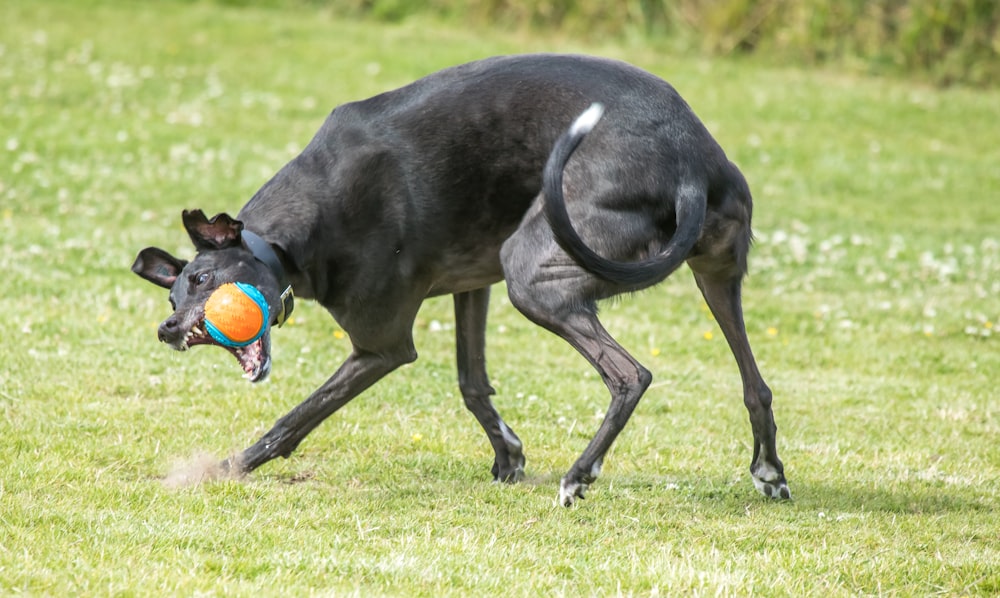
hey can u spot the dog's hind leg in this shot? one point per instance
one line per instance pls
(625, 378)
(470, 337)
(554, 293)
(722, 290)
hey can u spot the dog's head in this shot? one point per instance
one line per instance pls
(223, 256)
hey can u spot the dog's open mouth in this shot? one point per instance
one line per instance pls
(255, 358)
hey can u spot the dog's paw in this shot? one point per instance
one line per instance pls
(770, 482)
(509, 475)
(575, 483)
(509, 468)
(773, 490)
(569, 491)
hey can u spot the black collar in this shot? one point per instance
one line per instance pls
(264, 253)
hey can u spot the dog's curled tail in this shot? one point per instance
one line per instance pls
(690, 210)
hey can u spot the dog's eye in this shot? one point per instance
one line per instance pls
(199, 279)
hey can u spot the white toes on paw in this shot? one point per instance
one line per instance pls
(770, 483)
(569, 492)
(772, 490)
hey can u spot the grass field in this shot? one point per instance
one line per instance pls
(873, 305)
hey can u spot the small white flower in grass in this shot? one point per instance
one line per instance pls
(799, 248)
(827, 244)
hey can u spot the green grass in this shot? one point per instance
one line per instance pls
(872, 304)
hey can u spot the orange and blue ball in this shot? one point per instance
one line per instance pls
(236, 314)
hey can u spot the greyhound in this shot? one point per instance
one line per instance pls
(491, 170)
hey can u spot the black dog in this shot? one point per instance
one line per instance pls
(455, 182)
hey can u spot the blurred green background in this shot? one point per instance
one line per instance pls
(944, 41)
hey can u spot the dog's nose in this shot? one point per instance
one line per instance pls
(168, 330)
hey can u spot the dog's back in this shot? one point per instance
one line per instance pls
(488, 127)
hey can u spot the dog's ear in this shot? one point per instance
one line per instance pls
(218, 233)
(158, 266)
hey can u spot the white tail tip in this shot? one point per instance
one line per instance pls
(588, 120)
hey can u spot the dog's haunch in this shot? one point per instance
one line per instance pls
(236, 314)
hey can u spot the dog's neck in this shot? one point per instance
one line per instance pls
(265, 254)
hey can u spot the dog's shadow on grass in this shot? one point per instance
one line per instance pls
(823, 496)
(911, 498)
(819, 495)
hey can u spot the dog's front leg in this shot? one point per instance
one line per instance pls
(358, 372)
(470, 336)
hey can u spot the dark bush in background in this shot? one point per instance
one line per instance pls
(945, 41)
